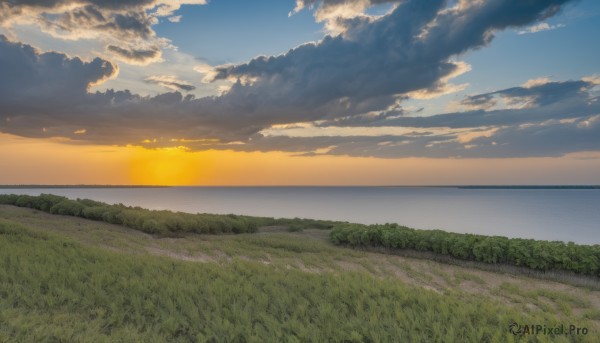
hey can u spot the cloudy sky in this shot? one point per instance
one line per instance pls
(238, 92)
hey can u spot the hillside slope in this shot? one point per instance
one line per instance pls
(71, 279)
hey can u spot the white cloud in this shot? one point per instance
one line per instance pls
(539, 28)
(595, 79)
(536, 82)
(174, 19)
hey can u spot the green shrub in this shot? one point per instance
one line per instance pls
(540, 255)
(94, 213)
(44, 202)
(154, 222)
(152, 226)
(25, 201)
(68, 208)
(8, 199)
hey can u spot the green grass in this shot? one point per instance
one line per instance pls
(464, 276)
(68, 279)
(54, 289)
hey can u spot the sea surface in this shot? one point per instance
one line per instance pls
(548, 214)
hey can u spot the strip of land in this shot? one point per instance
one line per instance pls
(77, 186)
(72, 279)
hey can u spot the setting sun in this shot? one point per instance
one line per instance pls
(167, 166)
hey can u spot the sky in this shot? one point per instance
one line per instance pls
(299, 92)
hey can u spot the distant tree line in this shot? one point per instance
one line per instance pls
(535, 254)
(154, 222)
(157, 222)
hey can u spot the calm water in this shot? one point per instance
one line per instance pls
(549, 214)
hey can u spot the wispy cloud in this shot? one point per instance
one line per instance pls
(174, 19)
(135, 56)
(171, 82)
(539, 28)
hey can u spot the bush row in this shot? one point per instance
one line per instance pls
(155, 222)
(535, 254)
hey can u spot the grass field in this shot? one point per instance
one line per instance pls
(68, 279)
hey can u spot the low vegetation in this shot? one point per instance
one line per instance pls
(534, 254)
(154, 222)
(494, 250)
(55, 289)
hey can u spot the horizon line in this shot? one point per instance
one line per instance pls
(9, 186)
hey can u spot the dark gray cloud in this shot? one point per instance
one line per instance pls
(552, 138)
(540, 95)
(170, 82)
(371, 61)
(407, 50)
(49, 4)
(126, 25)
(552, 100)
(563, 118)
(357, 78)
(47, 95)
(135, 56)
(29, 76)
(480, 101)
(122, 19)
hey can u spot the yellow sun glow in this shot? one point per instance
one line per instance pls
(170, 166)
(43, 161)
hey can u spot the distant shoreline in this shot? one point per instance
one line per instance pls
(76, 186)
(533, 187)
(284, 186)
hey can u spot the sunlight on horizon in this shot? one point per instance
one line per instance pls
(168, 166)
(38, 161)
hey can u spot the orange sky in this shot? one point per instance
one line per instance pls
(38, 161)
